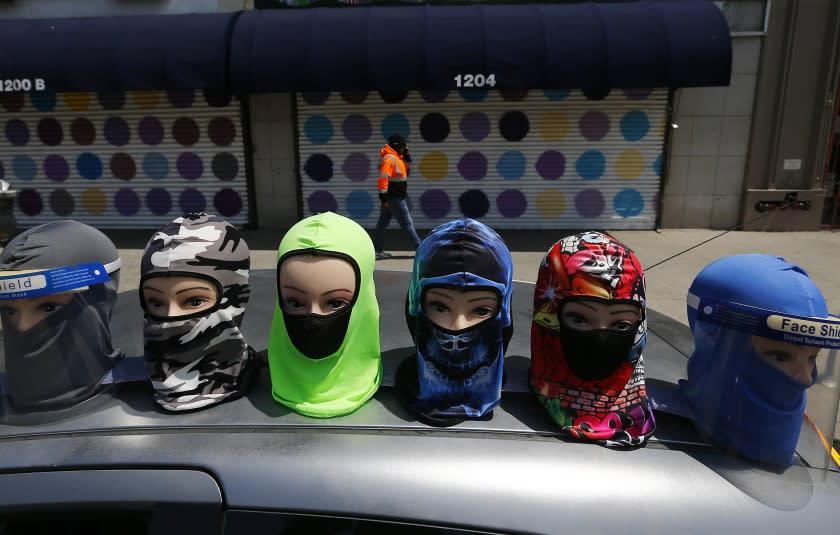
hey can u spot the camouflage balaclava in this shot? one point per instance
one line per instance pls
(201, 359)
(65, 358)
(592, 382)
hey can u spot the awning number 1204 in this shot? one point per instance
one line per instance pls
(21, 84)
(475, 80)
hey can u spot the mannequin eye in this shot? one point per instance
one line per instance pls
(623, 326)
(439, 307)
(196, 301)
(153, 302)
(575, 318)
(49, 307)
(337, 304)
(291, 302)
(483, 312)
(7, 311)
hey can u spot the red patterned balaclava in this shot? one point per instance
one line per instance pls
(591, 382)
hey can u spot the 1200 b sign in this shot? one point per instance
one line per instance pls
(21, 84)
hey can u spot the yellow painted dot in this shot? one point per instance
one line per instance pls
(662, 127)
(554, 126)
(94, 201)
(551, 203)
(630, 164)
(77, 101)
(146, 99)
(434, 166)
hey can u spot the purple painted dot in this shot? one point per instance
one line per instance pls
(126, 201)
(551, 165)
(181, 98)
(227, 202)
(117, 132)
(319, 167)
(511, 203)
(17, 132)
(56, 168)
(322, 201)
(598, 93)
(83, 131)
(514, 126)
(356, 166)
(316, 98)
(185, 131)
(354, 97)
(434, 96)
(475, 126)
(192, 200)
(435, 203)
(50, 131)
(474, 203)
(62, 203)
(190, 165)
(594, 125)
(158, 201)
(637, 94)
(357, 128)
(217, 98)
(111, 100)
(29, 202)
(150, 130)
(473, 165)
(589, 203)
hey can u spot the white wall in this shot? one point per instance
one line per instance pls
(272, 137)
(709, 149)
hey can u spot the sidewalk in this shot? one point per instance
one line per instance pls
(817, 252)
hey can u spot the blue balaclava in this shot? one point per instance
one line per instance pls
(460, 373)
(739, 401)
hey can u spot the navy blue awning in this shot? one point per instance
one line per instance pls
(119, 53)
(673, 43)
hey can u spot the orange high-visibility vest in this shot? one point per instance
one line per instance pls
(391, 169)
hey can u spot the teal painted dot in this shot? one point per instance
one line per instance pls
(556, 94)
(43, 100)
(473, 95)
(628, 203)
(634, 125)
(511, 165)
(318, 129)
(89, 165)
(24, 167)
(395, 123)
(155, 165)
(657, 165)
(359, 204)
(591, 165)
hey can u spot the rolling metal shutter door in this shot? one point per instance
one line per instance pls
(526, 160)
(123, 160)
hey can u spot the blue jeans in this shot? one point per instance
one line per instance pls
(397, 208)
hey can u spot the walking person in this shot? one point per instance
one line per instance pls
(393, 192)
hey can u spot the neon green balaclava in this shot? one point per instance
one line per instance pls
(342, 381)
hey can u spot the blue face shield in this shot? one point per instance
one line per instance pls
(745, 397)
(459, 373)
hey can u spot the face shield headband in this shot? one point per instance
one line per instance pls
(39, 282)
(822, 333)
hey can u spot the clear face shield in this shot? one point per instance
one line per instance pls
(764, 384)
(56, 347)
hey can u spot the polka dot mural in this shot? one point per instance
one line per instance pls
(516, 159)
(129, 159)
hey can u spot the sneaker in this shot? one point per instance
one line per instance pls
(383, 255)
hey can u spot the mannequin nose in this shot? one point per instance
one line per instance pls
(460, 323)
(803, 373)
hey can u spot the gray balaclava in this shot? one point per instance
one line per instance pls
(202, 359)
(64, 358)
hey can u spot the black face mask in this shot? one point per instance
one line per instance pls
(59, 361)
(595, 354)
(317, 336)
